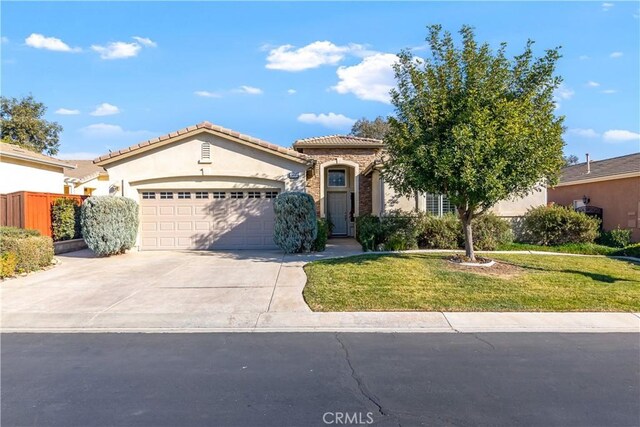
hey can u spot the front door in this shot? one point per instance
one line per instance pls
(338, 212)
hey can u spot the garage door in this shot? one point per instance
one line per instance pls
(207, 219)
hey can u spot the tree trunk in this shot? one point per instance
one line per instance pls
(468, 236)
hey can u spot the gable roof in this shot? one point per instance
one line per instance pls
(208, 127)
(338, 141)
(16, 152)
(85, 170)
(614, 168)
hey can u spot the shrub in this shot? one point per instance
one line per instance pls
(557, 225)
(65, 219)
(109, 224)
(618, 238)
(631, 250)
(490, 231)
(18, 232)
(31, 252)
(398, 231)
(368, 231)
(296, 227)
(324, 229)
(439, 232)
(8, 263)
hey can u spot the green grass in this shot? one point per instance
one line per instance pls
(428, 282)
(576, 248)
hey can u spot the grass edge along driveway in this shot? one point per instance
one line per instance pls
(428, 282)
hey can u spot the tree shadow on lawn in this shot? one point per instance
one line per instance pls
(598, 277)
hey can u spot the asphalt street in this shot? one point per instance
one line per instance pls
(309, 379)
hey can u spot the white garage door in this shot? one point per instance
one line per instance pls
(207, 219)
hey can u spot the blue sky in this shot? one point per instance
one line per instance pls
(114, 74)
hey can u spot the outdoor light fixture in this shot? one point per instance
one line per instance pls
(585, 200)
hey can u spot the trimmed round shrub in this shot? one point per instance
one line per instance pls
(558, 225)
(490, 231)
(65, 219)
(31, 252)
(296, 227)
(618, 238)
(324, 228)
(109, 224)
(439, 232)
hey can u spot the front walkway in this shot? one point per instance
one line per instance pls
(258, 291)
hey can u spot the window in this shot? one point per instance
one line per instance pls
(447, 206)
(337, 178)
(148, 195)
(202, 195)
(184, 195)
(88, 191)
(253, 195)
(237, 195)
(439, 205)
(205, 152)
(219, 195)
(166, 195)
(270, 194)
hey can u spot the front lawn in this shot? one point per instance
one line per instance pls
(428, 282)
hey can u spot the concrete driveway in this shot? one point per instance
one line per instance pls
(155, 290)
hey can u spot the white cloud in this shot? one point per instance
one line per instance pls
(617, 135)
(113, 132)
(144, 41)
(583, 57)
(616, 54)
(370, 80)
(4, 39)
(67, 112)
(313, 55)
(607, 6)
(39, 41)
(591, 83)
(585, 133)
(117, 50)
(291, 91)
(207, 94)
(564, 92)
(78, 155)
(249, 90)
(105, 109)
(609, 91)
(331, 120)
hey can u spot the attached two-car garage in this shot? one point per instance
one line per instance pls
(207, 219)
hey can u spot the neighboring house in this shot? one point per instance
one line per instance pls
(25, 170)
(207, 187)
(87, 179)
(608, 188)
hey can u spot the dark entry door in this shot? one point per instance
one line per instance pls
(337, 212)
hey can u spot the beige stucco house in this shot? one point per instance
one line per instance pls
(87, 179)
(207, 187)
(25, 170)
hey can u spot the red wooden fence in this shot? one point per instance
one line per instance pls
(26, 209)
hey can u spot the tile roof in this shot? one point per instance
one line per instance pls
(15, 151)
(338, 140)
(206, 126)
(85, 170)
(601, 169)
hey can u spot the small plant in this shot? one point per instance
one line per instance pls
(557, 225)
(109, 224)
(18, 232)
(439, 232)
(65, 219)
(32, 252)
(368, 231)
(490, 231)
(324, 228)
(618, 238)
(8, 264)
(296, 227)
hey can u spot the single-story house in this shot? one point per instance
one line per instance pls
(86, 179)
(609, 189)
(207, 187)
(25, 170)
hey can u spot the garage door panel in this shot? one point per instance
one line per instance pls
(207, 223)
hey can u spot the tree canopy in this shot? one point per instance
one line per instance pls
(473, 125)
(23, 124)
(366, 128)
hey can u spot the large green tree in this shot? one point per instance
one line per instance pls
(23, 124)
(366, 128)
(473, 125)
